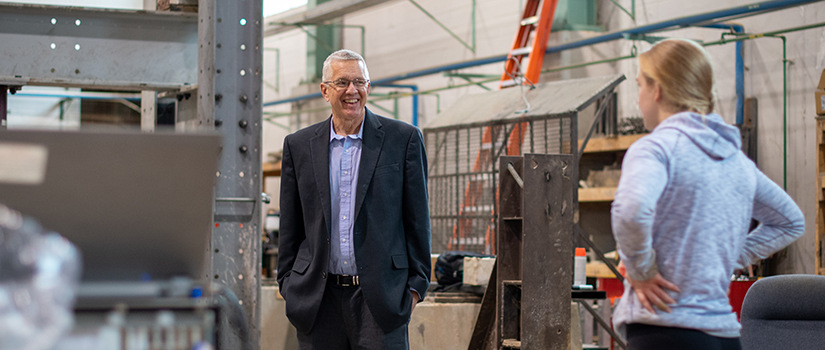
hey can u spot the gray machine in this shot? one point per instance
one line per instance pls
(139, 208)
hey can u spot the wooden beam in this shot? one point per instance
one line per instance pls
(597, 194)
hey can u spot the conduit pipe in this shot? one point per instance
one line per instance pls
(414, 94)
(650, 28)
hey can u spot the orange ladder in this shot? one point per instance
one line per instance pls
(531, 20)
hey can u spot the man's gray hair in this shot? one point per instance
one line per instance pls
(343, 55)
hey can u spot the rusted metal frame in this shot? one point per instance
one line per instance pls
(602, 322)
(509, 238)
(549, 210)
(598, 252)
(439, 146)
(469, 216)
(600, 116)
(441, 176)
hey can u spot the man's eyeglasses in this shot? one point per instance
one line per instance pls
(344, 83)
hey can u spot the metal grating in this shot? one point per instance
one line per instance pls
(465, 142)
(463, 175)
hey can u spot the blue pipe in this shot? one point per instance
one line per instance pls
(675, 23)
(739, 70)
(414, 89)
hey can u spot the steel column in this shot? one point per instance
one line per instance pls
(229, 97)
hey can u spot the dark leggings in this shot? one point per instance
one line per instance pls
(646, 337)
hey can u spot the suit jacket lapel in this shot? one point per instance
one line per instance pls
(319, 151)
(373, 140)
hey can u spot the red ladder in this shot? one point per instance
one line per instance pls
(531, 20)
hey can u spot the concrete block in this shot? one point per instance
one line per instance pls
(276, 331)
(446, 326)
(477, 270)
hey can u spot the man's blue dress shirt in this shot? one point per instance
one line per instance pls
(344, 164)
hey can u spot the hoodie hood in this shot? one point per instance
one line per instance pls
(709, 132)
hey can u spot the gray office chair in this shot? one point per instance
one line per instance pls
(784, 312)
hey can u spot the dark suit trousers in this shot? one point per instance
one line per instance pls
(344, 322)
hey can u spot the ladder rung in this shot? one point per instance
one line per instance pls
(529, 20)
(521, 51)
(508, 83)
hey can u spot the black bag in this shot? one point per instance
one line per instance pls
(449, 269)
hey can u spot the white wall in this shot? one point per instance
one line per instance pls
(400, 38)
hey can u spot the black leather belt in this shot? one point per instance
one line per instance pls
(344, 280)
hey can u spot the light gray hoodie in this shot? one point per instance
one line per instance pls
(683, 208)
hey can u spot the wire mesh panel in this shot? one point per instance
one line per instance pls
(463, 174)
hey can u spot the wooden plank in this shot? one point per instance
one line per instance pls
(597, 194)
(610, 143)
(271, 169)
(599, 269)
(511, 344)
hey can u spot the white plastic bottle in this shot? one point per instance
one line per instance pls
(580, 267)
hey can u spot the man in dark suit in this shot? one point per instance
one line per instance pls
(354, 244)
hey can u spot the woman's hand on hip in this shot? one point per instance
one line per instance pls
(652, 292)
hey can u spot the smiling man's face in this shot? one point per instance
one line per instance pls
(347, 103)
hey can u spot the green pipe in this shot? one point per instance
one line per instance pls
(784, 110)
(580, 65)
(774, 34)
(363, 34)
(473, 21)
(479, 84)
(631, 13)
(741, 37)
(277, 69)
(372, 103)
(471, 48)
(315, 37)
(282, 126)
(471, 75)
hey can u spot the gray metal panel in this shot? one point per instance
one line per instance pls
(229, 96)
(101, 48)
(549, 182)
(552, 98)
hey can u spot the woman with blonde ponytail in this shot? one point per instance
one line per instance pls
(683, 209)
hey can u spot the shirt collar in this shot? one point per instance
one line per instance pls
(334, 136)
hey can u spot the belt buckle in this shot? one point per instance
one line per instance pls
(353, 281)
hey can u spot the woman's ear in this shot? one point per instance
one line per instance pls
(658, 96)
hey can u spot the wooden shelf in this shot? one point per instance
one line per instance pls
(271, 169)
(599, 269)
(610, 143)
(596, 194)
